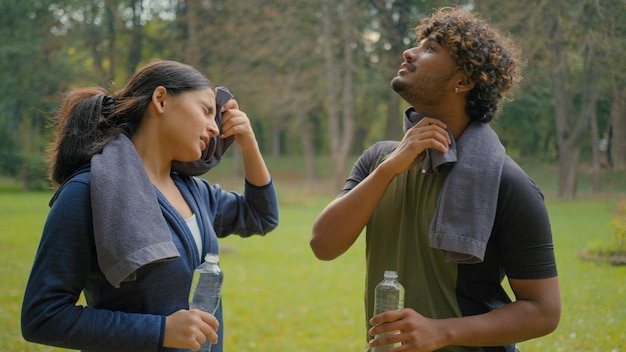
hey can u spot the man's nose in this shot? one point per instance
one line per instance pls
(409, 54)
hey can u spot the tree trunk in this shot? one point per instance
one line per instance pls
(341, 131)
(394, 21)
(192, 50)
(308, 149)
(110, 18)
(617, 140)
(568, 177)
(275, 138)
(593, 57)
(595, 152)
(616, 151)
(237, 160)
(393, 128)
(570, 131)
(136, 43)
(331, 87)
(94, 39)
(347, 95)
(27, 146)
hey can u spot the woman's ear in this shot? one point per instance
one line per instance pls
(158, 98)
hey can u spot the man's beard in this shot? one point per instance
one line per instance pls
(426, 90)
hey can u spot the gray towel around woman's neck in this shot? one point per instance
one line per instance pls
(468, 200)
(129, 228)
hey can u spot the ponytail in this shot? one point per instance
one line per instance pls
(82, 130)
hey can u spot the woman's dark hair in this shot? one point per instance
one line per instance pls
(491, 60)
(88, 118)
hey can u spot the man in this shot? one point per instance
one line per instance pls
(446, 208)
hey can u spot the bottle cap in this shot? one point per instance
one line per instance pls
(211, 258)
(390, 274)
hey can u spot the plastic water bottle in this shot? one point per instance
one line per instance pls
(206, 288)
(389, 295)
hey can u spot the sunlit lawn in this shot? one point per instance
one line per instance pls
(278, 297)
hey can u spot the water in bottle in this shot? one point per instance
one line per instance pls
(206, 288)
(389, 295)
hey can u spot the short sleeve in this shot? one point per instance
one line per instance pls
(366, 163)
(523, 227)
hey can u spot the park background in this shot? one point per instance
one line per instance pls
(314, 78)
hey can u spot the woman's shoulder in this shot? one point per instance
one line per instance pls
(75, 185)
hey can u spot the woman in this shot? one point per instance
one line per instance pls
(129, 223)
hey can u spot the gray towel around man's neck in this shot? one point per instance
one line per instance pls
(432, 158)
(129, 228)
(467, 204)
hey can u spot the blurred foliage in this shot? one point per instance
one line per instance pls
(269, 54)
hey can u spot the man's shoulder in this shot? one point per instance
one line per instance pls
(382, 147)
(516, 184)
(513, 173)
(373, 154)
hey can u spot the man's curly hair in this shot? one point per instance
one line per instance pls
(491, 60)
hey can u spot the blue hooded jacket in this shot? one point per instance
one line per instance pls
(131, 317)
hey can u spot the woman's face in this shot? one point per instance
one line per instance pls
(190, 123)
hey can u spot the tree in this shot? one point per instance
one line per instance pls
(395, 21)
(570, 43)
(34, 69)
(266, 55)
(315, 81)
(617, 129)
(616, 34)
(572, 125)
(339, 93)
(136, 42)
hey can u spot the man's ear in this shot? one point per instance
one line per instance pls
(464, 84)
(158, 98)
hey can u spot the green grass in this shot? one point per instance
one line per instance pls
(593, 311)
(278, 297)
(21, 220)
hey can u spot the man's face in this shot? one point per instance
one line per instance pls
(425, 76)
